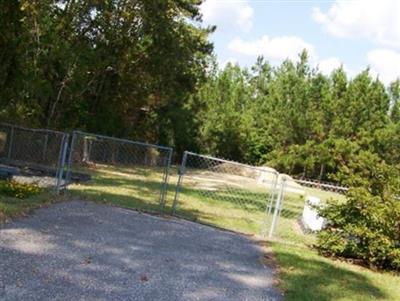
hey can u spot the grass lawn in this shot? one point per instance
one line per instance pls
(237, 209)
(137, 188)
(11, 207)
(304, 274)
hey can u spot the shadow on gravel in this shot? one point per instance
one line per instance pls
(84, 251)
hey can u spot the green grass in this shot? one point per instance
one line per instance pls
(304, 274)
(11, 207)
(237, 209)
(137, 188)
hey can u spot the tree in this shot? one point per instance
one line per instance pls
(119, 67)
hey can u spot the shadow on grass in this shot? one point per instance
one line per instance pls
(116, 199)
(133, 202)
(308, 278)
(133, 184)
(11, 207)
(292, 207)
(245, 200)
(150, 188)
(148, 203)
(144, 193)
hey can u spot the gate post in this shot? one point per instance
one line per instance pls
(182, 171)
(268, 209)
(11, 142)
(164, 190)
(278, 205)
(273, 192)
(61, 165)
(69, 164)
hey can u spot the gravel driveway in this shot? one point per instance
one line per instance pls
(85, 251)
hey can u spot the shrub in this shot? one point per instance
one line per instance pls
(19, 190)
(366, 226)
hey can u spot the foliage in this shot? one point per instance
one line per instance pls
(145, 70)
(118, 67)
(367, 225)
(19, 190)
(295, 118)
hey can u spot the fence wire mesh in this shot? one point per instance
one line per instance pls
(32, 155)
(292, 206)
(325, 186)
(226, 194)
(123, 172)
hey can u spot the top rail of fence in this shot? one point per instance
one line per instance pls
(125, 140)
(326, 186)
(233, 162)
(31, 129)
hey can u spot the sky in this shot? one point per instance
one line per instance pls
(354, 33)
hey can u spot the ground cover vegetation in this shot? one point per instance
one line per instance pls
(17, 199)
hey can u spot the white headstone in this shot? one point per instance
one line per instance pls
(311, 219)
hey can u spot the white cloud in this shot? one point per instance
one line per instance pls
(226, 14)
(326, 66)
(385, 63)
(278, 48)
(378, 21)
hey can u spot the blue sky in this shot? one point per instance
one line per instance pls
(355, 33)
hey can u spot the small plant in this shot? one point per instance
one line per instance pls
(19, 190)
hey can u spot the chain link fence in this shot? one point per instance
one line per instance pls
(118, 171)
(226, 194)
(325, 186)
(294, 202)
(33, 155)
(132, 174)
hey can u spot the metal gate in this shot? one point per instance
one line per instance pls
(118, 171)
(37, 155)
(226, 194)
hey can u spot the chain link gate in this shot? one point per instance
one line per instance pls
(118, 171)
(33, 155)
(224, 193)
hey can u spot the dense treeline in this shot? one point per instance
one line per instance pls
(144, 70)
(297, 119)
(119, 67)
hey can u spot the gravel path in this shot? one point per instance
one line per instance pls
(85, 251)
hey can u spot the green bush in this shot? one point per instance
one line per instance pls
(365, 227)
(18, 190)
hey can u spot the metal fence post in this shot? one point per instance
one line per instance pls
(273, 193)
(69, 164)
(164, 191)
(63, 154)
(46, 141)
(278, 205)
(11, 142)
(268, 209)
(182, 171)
